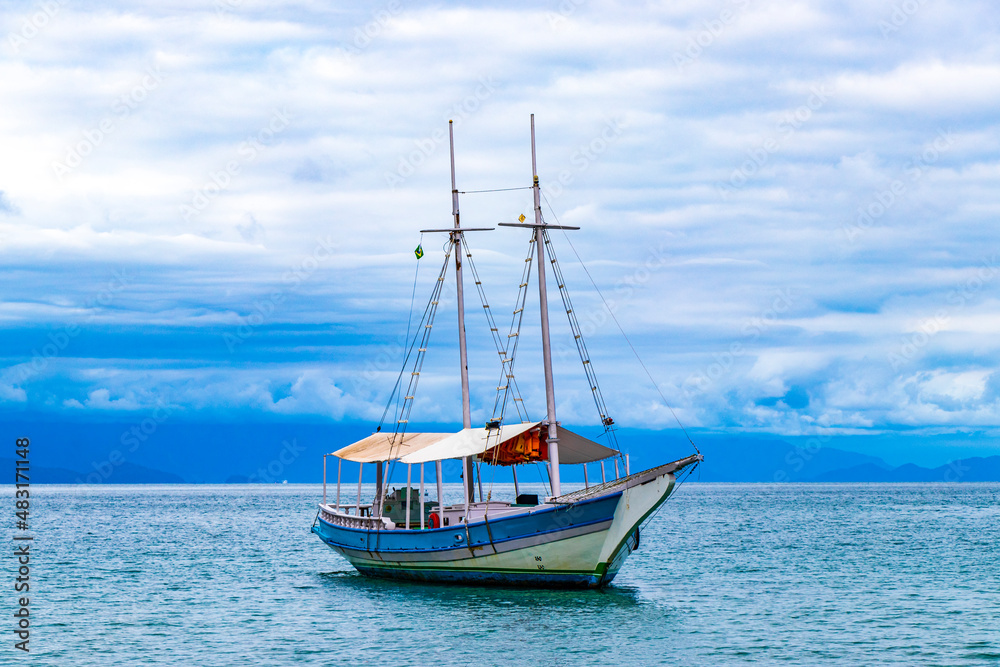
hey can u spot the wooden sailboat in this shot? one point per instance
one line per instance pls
(575, 539)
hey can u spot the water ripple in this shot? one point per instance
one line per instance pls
(727, 574)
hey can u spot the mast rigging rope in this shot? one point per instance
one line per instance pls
(409, 317)
(428, 317)
(581, 348)
(476, 192)
(620, 329)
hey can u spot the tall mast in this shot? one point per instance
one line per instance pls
(550, 393)
(460, 298)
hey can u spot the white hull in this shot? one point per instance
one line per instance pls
(580, 540)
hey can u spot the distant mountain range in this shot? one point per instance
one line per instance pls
(759, 464)
(123, 473)
(100, 453)
(976, 469)
(728, 460)
(762, 460)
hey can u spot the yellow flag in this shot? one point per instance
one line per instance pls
(520, 218)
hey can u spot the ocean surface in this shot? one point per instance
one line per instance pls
(726, 574)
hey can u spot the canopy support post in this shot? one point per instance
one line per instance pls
(421, 496)
(324, 479)
(409, 496)
(340, 465)
(379, 490)
(626, 466)
(513, 471)
(357, 506)
(479, 480)
(467, 487)
(440, 491)
(616, 468)
(603, 478)
(586, 482)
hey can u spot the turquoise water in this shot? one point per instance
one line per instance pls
(726, 574)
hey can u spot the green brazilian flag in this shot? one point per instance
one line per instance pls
(419, 252)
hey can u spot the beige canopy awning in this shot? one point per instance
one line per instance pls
(424, 447)
(380, 447)
(573, 448)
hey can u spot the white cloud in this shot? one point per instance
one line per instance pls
(934, 86)
(362, 109)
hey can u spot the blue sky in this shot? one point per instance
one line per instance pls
(793, 205)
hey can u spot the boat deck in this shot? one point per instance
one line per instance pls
(454, 515)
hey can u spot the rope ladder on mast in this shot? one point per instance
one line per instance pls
(507, 384)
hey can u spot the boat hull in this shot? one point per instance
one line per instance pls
(582, 544)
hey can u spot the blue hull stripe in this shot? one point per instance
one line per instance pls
(463, 552)
(332, 542)
(453, 539)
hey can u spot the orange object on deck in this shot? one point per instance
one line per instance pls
(525, 448)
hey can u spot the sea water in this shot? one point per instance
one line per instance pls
(725, 574)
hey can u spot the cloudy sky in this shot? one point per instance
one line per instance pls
(791, 206)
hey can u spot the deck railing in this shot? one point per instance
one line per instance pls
(330, 515)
